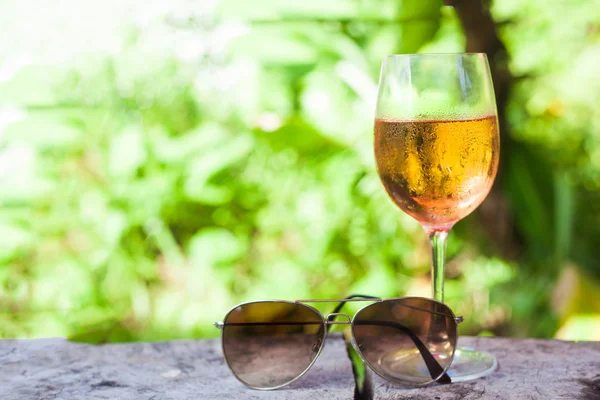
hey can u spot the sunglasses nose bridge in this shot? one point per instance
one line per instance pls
(330, 319)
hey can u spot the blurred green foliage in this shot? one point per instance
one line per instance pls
(162, 163)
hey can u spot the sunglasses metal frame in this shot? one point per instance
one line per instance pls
(328, 322)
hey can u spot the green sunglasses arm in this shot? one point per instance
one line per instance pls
(435, 369)
(339, 306)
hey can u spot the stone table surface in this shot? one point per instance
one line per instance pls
(527, 369)
(56, 369)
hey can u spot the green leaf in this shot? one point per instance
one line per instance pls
(449, 38)
(275, 44)
(380, 281)
(281, 278)
(109, 331)
(332, 107)
(333, 43)
(364, 10)
(203, 167)
(43, 325)
(43, 130)
(307, 41)
(20, 180)
(564, 216)
(13, 238)
(415, 34)
(179, 149)
(486, 273)
(215, 245)
(48, 290)
(528, 184)
(358, 365)
(127, 152)
(407, 37)
(300, 136)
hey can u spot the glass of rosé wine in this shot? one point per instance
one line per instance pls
(437, 147)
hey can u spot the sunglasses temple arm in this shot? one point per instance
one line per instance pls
(339, 306)
(435, 369)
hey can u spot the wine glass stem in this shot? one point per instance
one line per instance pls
(437, 239)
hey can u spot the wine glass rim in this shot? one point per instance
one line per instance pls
(433, 54)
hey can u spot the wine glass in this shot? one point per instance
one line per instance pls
(437, 147)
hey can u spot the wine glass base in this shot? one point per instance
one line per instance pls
(469, 364)
(407, 366)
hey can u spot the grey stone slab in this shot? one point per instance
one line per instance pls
(180, 370)
(528, 369)
(56, 369)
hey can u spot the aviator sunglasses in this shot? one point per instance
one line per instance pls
(406, 340)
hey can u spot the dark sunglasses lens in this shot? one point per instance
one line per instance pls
(269, 344)
(409, 341)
